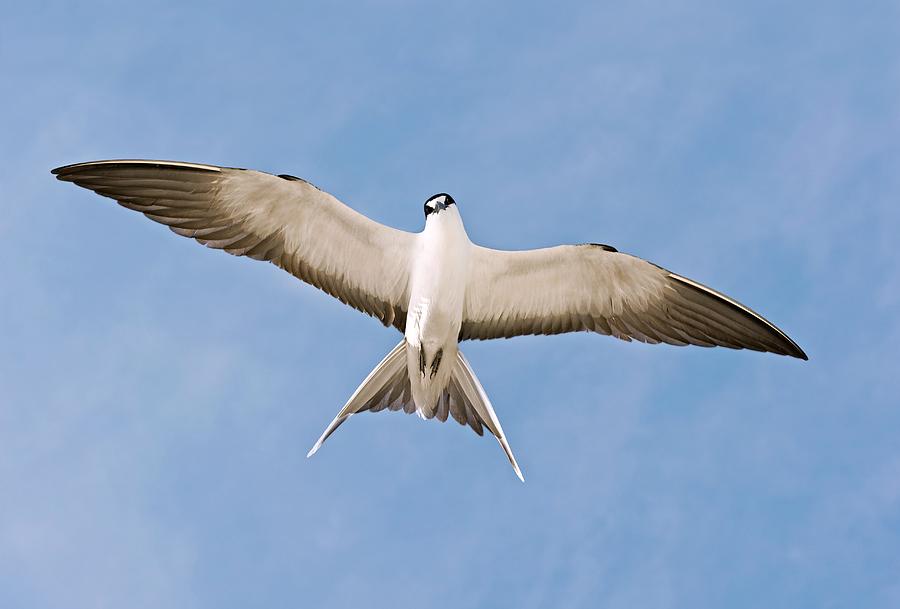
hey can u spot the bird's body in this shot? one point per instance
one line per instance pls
(436, 287)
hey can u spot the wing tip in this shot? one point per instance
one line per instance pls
(792, 349)
(788, 346)
(65, 170)
(798, 352)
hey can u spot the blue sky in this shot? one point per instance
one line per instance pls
(157, 398)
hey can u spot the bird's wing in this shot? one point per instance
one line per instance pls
(282, 219)
(593, 287)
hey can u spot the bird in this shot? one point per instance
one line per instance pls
(436, 287)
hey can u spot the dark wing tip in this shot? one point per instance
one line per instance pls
(63, 172)
(783, 343)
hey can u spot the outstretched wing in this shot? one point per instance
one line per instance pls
(282, 219)
(593, 287)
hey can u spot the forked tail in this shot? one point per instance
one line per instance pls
(387, 388)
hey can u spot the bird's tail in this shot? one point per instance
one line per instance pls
(388, 388)
(388, 382)
(469, 391)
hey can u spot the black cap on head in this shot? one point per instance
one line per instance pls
(437, 203)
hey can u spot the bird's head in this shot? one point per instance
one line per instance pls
(438, 203)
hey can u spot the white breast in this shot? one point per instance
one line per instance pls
(439, 281)
(437, 295)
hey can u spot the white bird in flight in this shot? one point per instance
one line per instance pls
(436, 287)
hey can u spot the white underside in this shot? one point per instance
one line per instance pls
(437, 294)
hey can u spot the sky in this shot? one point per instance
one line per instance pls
(157, 398)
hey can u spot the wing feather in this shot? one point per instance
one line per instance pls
(281, 219)
(573, 288)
